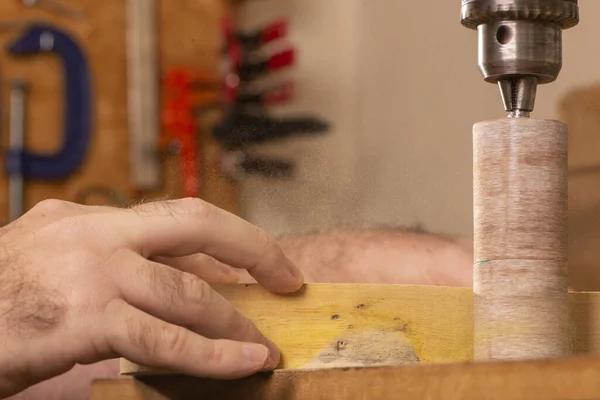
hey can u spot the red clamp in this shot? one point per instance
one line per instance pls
(180, 124)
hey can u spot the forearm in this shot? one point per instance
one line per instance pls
(74, 384)
(382, 256)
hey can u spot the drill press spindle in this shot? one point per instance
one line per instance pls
(520, 45)
(520, 276)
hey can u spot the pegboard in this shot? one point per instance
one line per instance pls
(188, 32)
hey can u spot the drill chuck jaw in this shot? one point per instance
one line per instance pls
(520, 44)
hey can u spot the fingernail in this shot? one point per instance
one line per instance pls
(255, 353)
(274, 355)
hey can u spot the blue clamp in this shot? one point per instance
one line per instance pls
(39, 38)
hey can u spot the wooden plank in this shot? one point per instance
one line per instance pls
(124, 389)
(347, 325)
(188, 37)
(576, 378)
(357, 324)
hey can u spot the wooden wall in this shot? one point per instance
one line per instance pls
(188, 37)
(580, 109)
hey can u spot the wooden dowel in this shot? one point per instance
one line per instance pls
(520, 225)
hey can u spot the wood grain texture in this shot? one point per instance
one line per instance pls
(343, 325)
(520, 239)
(520, 187)
(188, 38)
(576, 378)
(124, 389)
(324, 325)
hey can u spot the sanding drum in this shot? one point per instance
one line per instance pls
(520, 225)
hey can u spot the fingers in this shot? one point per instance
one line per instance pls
(185, 300)
(190, 226)
(208, 269)
(147, 340)
(204, 267)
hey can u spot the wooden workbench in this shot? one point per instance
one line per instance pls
(576, 378)
(188, 38)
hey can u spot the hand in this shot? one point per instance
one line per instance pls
(81, 284)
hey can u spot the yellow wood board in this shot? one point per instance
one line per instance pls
(335, 325)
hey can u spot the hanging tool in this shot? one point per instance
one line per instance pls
(239, 45)
(238, 164)
(180, 123)
(16, 143)
(249, 70)
(254, 40)
(55, 7)
(276, 95)
(143, 103)
(246, 120)
(240, 128)
(78, 111)
(243, 61)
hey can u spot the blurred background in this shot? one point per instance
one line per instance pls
(297, 115)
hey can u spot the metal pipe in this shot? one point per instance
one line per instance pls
(16, 143)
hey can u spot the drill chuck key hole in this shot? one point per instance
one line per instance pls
(504, 34)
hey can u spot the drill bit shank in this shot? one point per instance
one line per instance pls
(520, 45)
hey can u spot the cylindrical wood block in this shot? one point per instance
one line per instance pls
(520, 226)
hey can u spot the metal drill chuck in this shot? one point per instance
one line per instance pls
(477, 12)
(520, 44)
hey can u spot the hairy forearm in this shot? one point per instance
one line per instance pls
(381, 256)
(75, 384)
